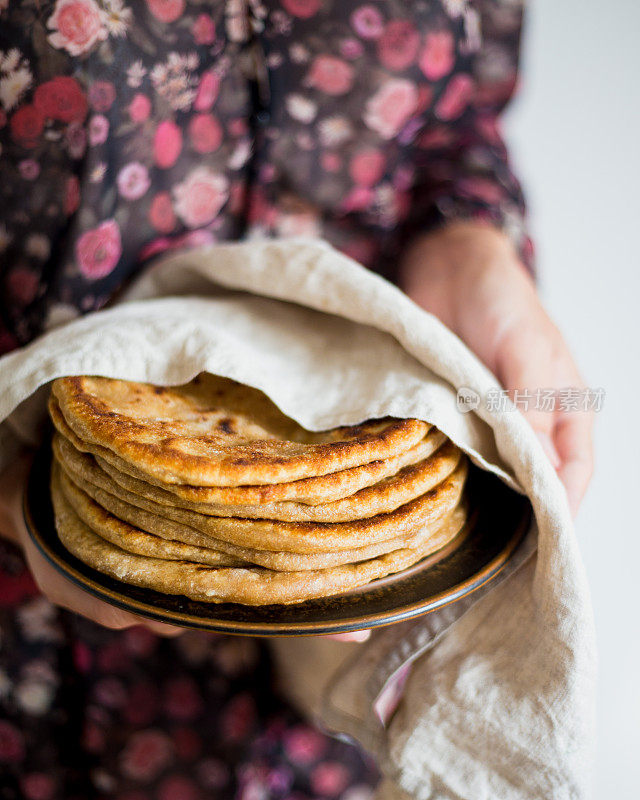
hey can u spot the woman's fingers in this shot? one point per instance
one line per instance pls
(573, 438)
(354, 636)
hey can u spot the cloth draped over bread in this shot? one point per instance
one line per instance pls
(499, 700)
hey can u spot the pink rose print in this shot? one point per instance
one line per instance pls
(206, 133)
(101, 95)
(207, 91)
(133, 181)
(71, 195)
(480, 188)
(139, 108)
(77, 25)
(437, 57)
(331, 162)
(166, 10)
(204, 30)
(167, 144)
(161, 214)
(391, 106)
(11, 743)
(61, 99)
(303, 744)
(329, 778)
(398, 45)
(367, 22)
(367, 167)
(26, 126)
(351, 49)
(146, 755)
(99, 250)
(358, 199)
(178, 787)
(456, 97)
(200, 196)
(302, 8)
(331, 75)
(29, 169)
(38, 786)
(98, 129)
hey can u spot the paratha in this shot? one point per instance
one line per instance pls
(246, 585)
(299, 537)
(87, 495)
(131, 539)
(216, 432)
(310, 491)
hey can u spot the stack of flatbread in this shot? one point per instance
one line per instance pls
(208, 490)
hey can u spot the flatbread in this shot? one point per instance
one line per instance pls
(310, 491)
(130, 538)
(121, 511)
(296, 537)
(216, 432)
(246, 585)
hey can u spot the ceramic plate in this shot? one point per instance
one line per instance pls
(498, 520)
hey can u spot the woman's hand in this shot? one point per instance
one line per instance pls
(469, 276)
(51, 583)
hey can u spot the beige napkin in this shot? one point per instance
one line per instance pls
(499, 700)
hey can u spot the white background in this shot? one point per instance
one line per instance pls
(575, 137)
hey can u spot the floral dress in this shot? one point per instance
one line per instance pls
(132, 127)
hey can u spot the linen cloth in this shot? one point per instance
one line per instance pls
(499, 700)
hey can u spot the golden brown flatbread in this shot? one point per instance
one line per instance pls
(216, 432)
(295, 537)
(174, 531)
(129, 538)
(246, 585)
(212, 499)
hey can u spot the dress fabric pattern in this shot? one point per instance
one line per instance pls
(132, 127)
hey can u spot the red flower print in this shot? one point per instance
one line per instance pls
(207, 91)
(71, 195)
(204, 30)
(182, 699)
(367, 167)
(206, 133)
(143, 703)
(398, 45)
(367, 22)
(456, 97)
(437, 57)
(29, 169)
(238, 717)
(101, 95)
(161, 214)
(167, 144)
(62, 99)
(329, 778)
(139, 108)
(331, 75)
(200, 196)
(99, 250)
(166, 10)
(22, 286)
(146, 755)
(38, 786)
(178, 787)
(77, 25)
(187, 743)
(26, 126)
(11, 743)
(302, 8)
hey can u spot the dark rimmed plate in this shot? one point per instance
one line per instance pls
(497, 524)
